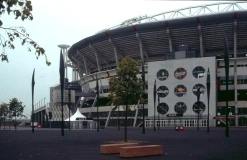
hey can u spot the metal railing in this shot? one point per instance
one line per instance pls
(183, 13)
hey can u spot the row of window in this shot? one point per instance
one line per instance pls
(239, 65)
(222, 111)
(223, 95)
(239, 77)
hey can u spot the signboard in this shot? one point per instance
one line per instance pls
(162, 91)
(180, 90)
(230, 82)
(224, 117)
(201, 87)
(180, 73)
(174, 115)
(162, 74)
(198, 72)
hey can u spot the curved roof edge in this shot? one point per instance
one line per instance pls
(152, 26)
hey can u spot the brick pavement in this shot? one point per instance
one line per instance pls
(84, 144)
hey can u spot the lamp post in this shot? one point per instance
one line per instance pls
(62, 67)
(32, 117)
(69, 105)
(158, 113)
(15, 121)
(226, 60)
(61, 70)
(125, 127)
(198, 93)
(143, 109)
(208, 94)
(97, 101)
(4, 114)
(154, 95)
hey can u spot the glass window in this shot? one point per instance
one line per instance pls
(222, 78)
(242, 111)
(231, 77)
(221, 110)
(240, 76)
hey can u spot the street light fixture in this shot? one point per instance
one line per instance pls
(154, 95)
(61, 70)
(97, 101)
(226, 60)
(198, 94)
(158, 113)
(4, 114)
(143, 109)
(62, 67)
(69, 104)
(32, 117)
(208, 94)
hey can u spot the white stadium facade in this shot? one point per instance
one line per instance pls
(179, 48)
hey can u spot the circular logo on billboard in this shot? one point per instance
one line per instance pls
(162, 74)
(198, 72)
(198, 88)
(180, 90)
(180, 108)
(199, 107)
(162, 108)
(180, 73)
(162, 91)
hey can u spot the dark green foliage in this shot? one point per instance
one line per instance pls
(126, 88)
(16, 108)
(3, 108)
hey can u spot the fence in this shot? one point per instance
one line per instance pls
(173, 123)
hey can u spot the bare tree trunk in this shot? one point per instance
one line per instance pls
(125, 128)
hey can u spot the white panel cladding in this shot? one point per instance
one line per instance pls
(189, 81)
(57, 112)
(57, 96)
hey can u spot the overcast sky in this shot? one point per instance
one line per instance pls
(64, 22)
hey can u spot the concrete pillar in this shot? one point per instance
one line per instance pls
(201, 40)
(115, 51)
(41, 118)
(170, 39)
(141, 46)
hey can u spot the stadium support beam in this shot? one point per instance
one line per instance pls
(115, 51)
(85, 64)
(170, 39)
(235, 70)
(142, 48)
(201, 40)
(86, 59)
(97, 55)
(79, 66)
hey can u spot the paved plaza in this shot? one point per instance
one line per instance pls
(48, 144)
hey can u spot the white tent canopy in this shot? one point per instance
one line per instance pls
(76, 115)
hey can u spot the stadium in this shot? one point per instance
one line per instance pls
(179, 49)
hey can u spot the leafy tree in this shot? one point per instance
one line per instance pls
(21, 9)
(3, 108)
(16, 108)
(126, 88)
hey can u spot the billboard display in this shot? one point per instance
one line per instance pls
(177, 82)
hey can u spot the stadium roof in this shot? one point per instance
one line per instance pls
(201, 30)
